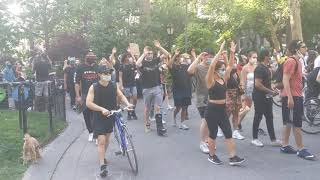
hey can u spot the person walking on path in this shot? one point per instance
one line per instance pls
(152, 91)
(101, 99)
(85, 76)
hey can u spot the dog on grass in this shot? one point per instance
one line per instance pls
(31, 149)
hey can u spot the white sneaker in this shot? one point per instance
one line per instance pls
(204, 147)
(164, 122)
(183, 126)
(276, 143)
(219, 134)
(257, 143)
(170, 107)
(236, 135)
(90, 138)
(152, 119)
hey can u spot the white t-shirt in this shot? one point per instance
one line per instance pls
(317, 62)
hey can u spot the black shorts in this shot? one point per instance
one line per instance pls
(216, 116)
(202, 111)
(102, 125)
(297, 111)
(182, 102)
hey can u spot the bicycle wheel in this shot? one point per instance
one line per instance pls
(277, 100)
(130, 151)
(311, 120)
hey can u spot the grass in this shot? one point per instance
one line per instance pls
(11, 140)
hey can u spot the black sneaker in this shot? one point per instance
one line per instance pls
(214, 159)
(103, 171)
(305, 154)
(134, 116)
(235, 160)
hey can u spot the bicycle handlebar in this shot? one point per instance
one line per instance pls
(112, 112)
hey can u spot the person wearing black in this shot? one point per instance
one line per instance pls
(152, 91)
(101, 99)
(69, 73)
(216, 115)
(262, 98)
(127, 82)
(86, 75)
(41, 68)
(181, 87)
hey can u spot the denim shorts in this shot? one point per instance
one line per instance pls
(152, 96)
(130, 91)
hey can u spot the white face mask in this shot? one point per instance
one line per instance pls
(106, 78)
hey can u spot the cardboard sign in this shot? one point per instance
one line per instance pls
(135, 49)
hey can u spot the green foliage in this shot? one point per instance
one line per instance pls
(310, 19)
(199, 36)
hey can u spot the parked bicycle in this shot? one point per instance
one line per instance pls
(311, 120)
(124, 140)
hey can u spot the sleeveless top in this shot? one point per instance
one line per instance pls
(233, 83)
(217, 91)
(105, 97)
(250, 80)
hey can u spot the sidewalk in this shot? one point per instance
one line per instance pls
(52, 153)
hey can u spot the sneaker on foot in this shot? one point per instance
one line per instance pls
(183, 126)
(152, 119)
(214, 159)
(164, 122)
(147, 128)
(257, 143)
(219, 134)
(276, 143)
(204, 147)
(236, 135)
(74, 107)
(305, 154)
(235, 160)
(288, 150)
(170, 107)
(90, 138)
(103, 171)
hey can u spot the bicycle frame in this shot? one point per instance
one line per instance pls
(119, 124)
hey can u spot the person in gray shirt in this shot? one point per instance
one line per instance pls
(199, 69)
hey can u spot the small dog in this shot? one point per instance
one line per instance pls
(30, 149)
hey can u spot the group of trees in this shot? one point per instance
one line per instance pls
(71, 27)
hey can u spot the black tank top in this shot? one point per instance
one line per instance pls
(217, 92)
(105, 96)
(233, 83)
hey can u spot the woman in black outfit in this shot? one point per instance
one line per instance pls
(216, 114)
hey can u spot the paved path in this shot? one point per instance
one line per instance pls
(72, 157)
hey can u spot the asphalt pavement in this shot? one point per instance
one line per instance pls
(175, 157)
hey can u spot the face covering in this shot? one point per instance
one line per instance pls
(253, 61)
(221, 73)
(106, 78)
(188, 61)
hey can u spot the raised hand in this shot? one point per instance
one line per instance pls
(222, 46)
(193, 53)
(114, 50)
(157, 44)
(233, 46)
(177, 52)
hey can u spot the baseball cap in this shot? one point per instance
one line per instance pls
(104, 69)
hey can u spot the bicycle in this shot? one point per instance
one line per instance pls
(124, 140)
(311, 112)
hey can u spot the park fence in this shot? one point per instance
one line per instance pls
(22, 95)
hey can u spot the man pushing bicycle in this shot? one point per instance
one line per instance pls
(102, 98)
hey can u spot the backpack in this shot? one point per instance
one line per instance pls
(278, 76)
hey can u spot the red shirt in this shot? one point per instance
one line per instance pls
(289, 68)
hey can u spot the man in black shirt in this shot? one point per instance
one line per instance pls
(262, 98)
(101, 99)
(127, 82)
(41, 68)
(151, 84)
(86, 75)
(181, 86)
(69, 73)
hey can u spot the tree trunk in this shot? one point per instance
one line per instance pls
(295, 20)
(146, 11)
